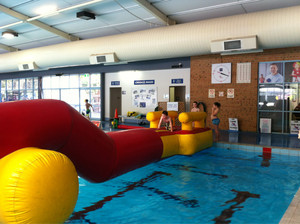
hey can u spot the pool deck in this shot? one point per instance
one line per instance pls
(252, 138)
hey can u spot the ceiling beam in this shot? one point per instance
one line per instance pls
(154, 11)
(38, 23)
(8, 48)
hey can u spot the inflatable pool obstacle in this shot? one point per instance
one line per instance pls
(33, 179)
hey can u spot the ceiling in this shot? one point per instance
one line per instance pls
(112, 17)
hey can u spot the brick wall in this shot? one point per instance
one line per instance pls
(244, 104)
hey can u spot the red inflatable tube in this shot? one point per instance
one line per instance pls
(136, 148)
(54, 125)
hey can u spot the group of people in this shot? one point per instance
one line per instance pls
(166, 119)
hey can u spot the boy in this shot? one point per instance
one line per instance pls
(168, 121)
(214, 118)
(87, 107)
(195, 107)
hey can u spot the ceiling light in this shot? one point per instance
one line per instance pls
(9, 34)
(85, 15)
(46, 9)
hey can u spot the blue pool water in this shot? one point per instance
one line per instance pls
(212, 186)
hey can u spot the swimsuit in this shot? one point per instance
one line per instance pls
(216, 121)
(88, 111)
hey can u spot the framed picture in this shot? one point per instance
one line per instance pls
(270, 72)
(292, 71)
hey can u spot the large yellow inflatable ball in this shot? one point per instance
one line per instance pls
(37, 186)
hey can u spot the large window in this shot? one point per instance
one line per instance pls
(19, 89)
(279, 95)
(74, 89)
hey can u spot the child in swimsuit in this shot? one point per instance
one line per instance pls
(168, 121)
(88, 107)
(214, 118)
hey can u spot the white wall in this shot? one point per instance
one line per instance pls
(162, 82)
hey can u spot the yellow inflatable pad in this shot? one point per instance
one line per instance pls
(37, 186)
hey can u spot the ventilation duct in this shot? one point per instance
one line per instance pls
(274, 29)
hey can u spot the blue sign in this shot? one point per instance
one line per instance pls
(177, 81)
(144, 82)
(115, 83)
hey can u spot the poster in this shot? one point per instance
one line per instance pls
(270, 72)
(230, 93)
(295, 126)
(143, 97)
(265, 125)
(211, 93)
(292, 71)
(172, 106)
(233, 124)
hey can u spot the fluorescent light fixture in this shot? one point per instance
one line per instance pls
(46, 9)
(9, 34)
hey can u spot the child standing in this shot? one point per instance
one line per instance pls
(195, 107)
(214, 118)
(88, 107)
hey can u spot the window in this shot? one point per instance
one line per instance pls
(19, 89)
(74, 89)
(279, 94)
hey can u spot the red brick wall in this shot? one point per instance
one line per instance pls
(244, 104)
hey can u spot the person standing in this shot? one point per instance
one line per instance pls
(214, 118)
(195, 107)
(88, 107)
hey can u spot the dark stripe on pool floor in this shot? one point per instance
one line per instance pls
(80, 215)
(192, 169)
(240, 198)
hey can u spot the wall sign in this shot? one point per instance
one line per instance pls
(144, 82)
(211, 93)
(230, 93)
(221, 73)
(115, 83)
(233, 124)
(243, 72)
(177, 81)
(172, 106)
(295, 127)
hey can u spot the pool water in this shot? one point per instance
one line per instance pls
(213, 186)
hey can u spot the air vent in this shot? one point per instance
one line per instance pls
(27, 66)
(103, 58)
(234, 44)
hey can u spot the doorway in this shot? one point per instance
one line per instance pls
(177, 94)
(115, 101)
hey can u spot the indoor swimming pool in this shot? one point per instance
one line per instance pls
(213, 186)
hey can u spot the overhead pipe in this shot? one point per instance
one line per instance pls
(274, 29)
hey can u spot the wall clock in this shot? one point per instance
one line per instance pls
(221, 73)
